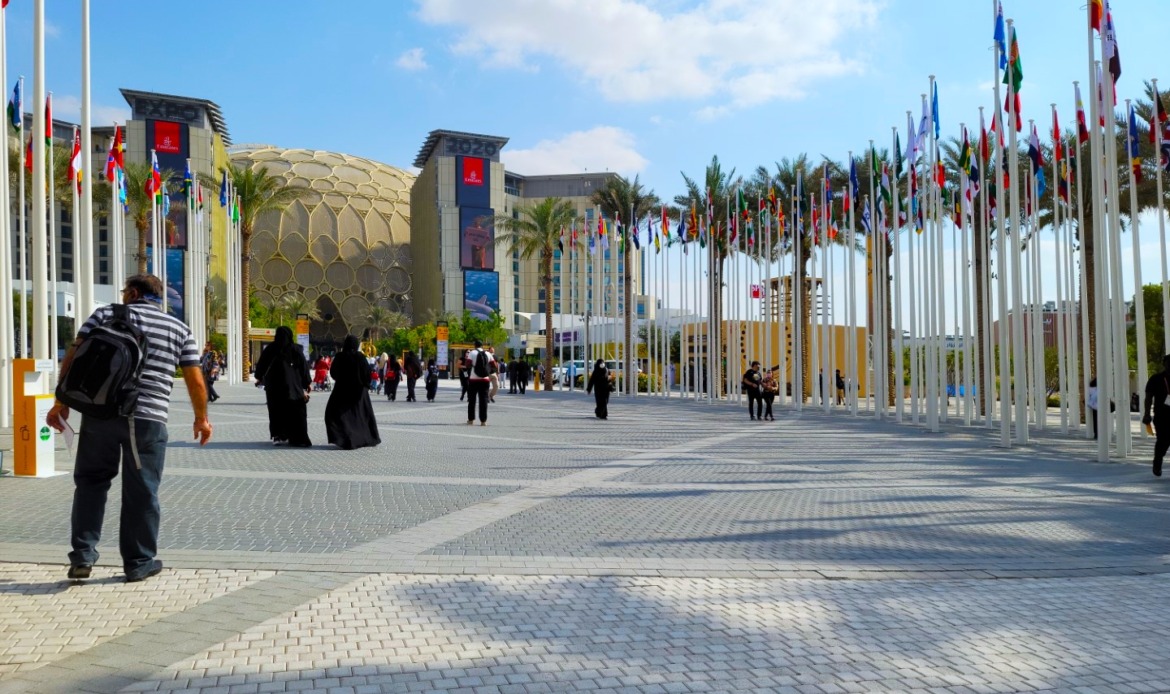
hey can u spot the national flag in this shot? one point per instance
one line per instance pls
(934, 108)
(592, 245)
(757, 291)
(16, 108)
(75, 159)
(866, 220)
(1110, 53)
(984, 143)
(114, 159)
(854, 186)
(1135, 159)
(665, 224)
(634, 236)
(897, 155)
(1158, 115)
(1095, 12)
(973, 180)
(561, 241)
(49, 120)
(828, 183)
(1057, 146)
(603, 230)
(1062, 179)
(188, 184)
(923, 125)
(28, 154)
(911, 143)
(1013, 76)
(236, 210)
(153, 184)
(223, 190)
(1000, 35)
(1037, 157)
(164, 198)
(1082, 124)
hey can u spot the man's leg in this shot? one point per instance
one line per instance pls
(98, 451)
(471, 393)
(1161, 443)
(138, 532)
(483, 400)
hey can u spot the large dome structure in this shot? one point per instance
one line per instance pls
(345, 245)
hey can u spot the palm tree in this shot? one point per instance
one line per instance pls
(259, 193)
(536, 233)
(380, 321)
(623, 197)
(717, 187)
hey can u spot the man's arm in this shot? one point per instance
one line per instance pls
(197, 390)
(58, 413)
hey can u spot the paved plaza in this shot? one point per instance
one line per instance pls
(676, 547)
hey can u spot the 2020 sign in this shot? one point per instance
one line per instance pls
(468, 146)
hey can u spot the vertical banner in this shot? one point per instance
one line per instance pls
(477, 239)
(472, 182)
(303, 333)
(481, 293)
(176, 287)
(442, 345)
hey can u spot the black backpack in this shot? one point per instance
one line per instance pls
(481, 364)
(103, 378)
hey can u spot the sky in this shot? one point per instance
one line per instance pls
(647, 88)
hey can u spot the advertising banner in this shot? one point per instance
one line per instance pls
(481, 293)
(472, 182)
(442, 345)
(477, 239)
(176, 287)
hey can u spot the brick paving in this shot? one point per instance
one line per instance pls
(676, 547)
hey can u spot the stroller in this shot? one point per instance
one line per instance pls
(321, 380)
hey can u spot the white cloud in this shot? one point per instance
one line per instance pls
(735, 53)
(68, 108)
(52, 30)
(603, 148)
(412, 60)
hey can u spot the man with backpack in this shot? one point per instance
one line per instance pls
(128, 428)
(478, 382)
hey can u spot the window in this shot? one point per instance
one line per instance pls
(540, 307)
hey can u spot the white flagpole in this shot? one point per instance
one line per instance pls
(1020, 358)
(1073, 325)
(798, 367)
(25, 351)
(40, 232)
(83, 226)
(1139, 298)
(986, 355)
(782, 309)
(54, 256)
(895, 227)
(852, 370)
(912, 276)
(1058, 230)
(964, 271)
(7, 343)
(1161, 215)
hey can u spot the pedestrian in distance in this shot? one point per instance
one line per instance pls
(839, 384)
(349, 416)
(513, 377)
(494, 379)
(479, 381)
(413, 371)
(284, 373)
(432, 380)
(1091, 404)
(1157, 412)
(753, 383)
(464, 372)
(321, 373)
(771, 389)
(137, 441)
(210, 367)
(393, 377)
(600, 384)
(524, 375)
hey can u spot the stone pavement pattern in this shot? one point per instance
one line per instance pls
(675, 547)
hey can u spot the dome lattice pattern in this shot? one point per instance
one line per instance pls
(345, 245)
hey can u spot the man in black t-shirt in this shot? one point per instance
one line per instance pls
(753, 386)
(1158, 400)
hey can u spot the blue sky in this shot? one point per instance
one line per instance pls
(647, 87)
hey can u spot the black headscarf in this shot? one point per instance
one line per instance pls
(283, 337)
(351, 344)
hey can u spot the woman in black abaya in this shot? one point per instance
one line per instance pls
(600, 386)
(284, 373)
(349, 416)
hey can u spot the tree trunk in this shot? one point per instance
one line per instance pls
(546, 280)
(245, 286)
(143, 228)
(978, 234)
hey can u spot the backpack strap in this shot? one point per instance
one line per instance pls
(121, 311)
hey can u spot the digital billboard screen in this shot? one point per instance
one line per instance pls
(481, 293)
(477, 239)
(473, 182)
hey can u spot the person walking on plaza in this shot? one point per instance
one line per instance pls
(137, 443)
(413, 370)
(524, 375)
(321, 372)
(494, 378)
(284, 373)
(771, 389)
(753, 387)
(464, 371)
(1091, 404)
(392, 377)
(479, 380)
(349, 416)
(1157, 412)
(600, 385)
(513, 377)
(432, 380)
(839, 385)
(210, 367)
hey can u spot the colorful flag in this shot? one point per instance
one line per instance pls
(1037, 157)
(1110, 53)
(49, 120)
(984, 143)
(75, 159)
(1057, 146)
(153, 184)
(28, 154)
(1000, 35)
(164, 198)
(188, 184)
(757, 291)
(223, 190)
(866, 220)
(1158, 115)
(1013, 76)
(16, 108)
(934, 108)
(854, 186)
(1095, 12)
(114, 160)
(1082, 124)
(561, 241)
(1135, 159)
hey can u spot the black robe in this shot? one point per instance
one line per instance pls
(599, 384)
(349, 416)
(284, 372)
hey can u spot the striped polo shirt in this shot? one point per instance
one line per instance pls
(169, 343)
